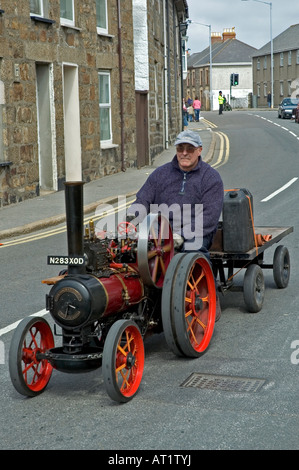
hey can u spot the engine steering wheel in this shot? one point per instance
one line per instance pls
(126, 228)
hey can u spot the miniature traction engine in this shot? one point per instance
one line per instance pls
(114, 293)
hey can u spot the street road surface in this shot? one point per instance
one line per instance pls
(254, 150)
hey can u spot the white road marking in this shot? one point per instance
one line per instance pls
(13, 326)
(279, 190)
(276, 124)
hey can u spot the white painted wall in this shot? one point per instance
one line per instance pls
(221, 81)
(72, 139)
(141, 52)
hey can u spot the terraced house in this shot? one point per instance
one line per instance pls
(285, 67)
(87, 88)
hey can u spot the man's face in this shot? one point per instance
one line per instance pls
(187, 156)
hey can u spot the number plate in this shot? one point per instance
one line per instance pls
(66, 260)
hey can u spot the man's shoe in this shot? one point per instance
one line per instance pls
(218, 309)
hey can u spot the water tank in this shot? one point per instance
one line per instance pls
(238, 226)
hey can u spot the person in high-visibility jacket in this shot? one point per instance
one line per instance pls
(220, 101)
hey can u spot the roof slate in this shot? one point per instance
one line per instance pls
(230, 51)
(286, 41)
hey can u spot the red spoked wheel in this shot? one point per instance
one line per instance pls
(123, 360)
(155, 249)
(126, 229)
(29, 373)
(189, 305)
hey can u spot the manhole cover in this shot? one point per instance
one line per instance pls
(223, 383)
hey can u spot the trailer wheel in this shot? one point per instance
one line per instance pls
(254, 288)
(154, 250)
(281, 266)
(29, 374)
(123, 360)
(189, 306)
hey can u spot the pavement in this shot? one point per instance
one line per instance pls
(49, 209)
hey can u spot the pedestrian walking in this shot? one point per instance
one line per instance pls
(190, 113)
(220, 101)
(185, 115)
(269, 99)
(196, 106)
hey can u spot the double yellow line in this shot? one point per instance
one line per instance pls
(224, 147)
(223, 150)
(62, 229)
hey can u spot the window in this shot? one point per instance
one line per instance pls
(102, 16)
(258, 90)
(290, 58)
(67, 14)
(37, 7)
(297, 61)
(258, 64)
(281, 59)
(193, 78)
(105, 107)
(281, 88)
(207, 76)
(265, 62)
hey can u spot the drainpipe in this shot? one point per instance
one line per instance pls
(165, 78)
(121, 92)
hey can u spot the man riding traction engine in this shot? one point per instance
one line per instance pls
(127, 287)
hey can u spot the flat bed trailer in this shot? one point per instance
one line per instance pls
(225, 263)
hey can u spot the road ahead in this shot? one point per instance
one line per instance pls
(75, 413)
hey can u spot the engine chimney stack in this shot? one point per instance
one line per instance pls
(74, 223)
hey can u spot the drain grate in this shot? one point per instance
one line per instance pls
(223, 383)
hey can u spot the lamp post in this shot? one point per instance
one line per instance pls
(271, 41)
(211, 65)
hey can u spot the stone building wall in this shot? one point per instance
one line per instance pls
(168, 97)
(24, 43)
(29, 45)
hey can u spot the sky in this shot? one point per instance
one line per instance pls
(251, 20)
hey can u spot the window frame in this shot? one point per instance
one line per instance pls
(101, 30)
(105, 73)
(258, 64)
(42, 9)
(66, 21)
(258, 90)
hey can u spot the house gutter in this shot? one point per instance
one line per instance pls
(165, 78)
(121, 92)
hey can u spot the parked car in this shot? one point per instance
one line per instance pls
(285, 109)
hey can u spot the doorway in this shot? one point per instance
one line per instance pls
(142, 128)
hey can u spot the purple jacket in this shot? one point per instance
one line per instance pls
(168, 184)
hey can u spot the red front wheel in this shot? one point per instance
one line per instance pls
(28, 372)
(123, 360)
